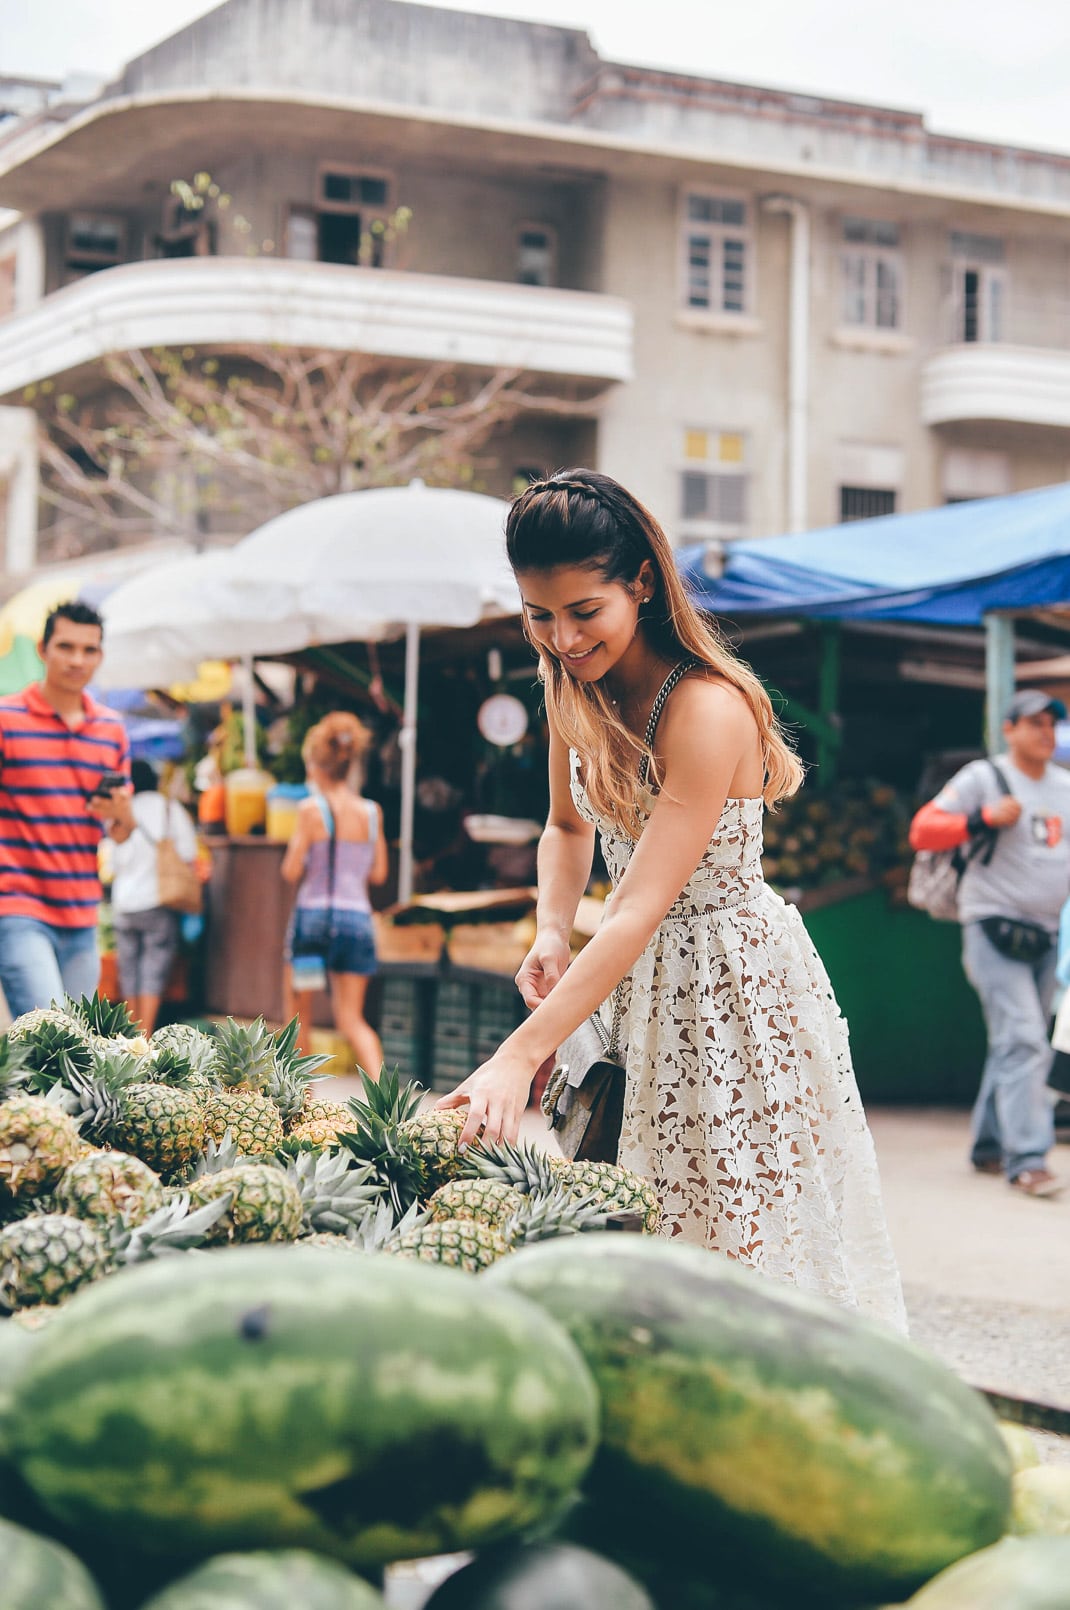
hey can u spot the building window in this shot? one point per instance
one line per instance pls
(349, 223)
(536, 250)
(864, 503)
(718, 249)
(93, 241)
(872, 274)
(714, 483)
(978, 287)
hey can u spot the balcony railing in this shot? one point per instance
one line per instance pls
(229, 302)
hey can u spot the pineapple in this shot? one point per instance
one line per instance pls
(461, 1243)
(335, 1195)
(520, 1166)
(192, 1044)
(109, 1185)
(328, 1238)
(377, 1138)
(615, 1189)
(162, 1126)
(262, 1204)
(435, 1135)
(244, 1064)
(322, 1122)
(45, 1258)
(487, 1201)
(38, 1141)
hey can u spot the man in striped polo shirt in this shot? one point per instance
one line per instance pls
(57, 747)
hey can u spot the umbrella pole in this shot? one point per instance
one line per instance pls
(248, 711)
(407, 740)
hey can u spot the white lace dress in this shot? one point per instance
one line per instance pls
(741, 1104)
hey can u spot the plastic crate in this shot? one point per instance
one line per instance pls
(405, 1006)
(474, 1012)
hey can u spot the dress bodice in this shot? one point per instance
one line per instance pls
(730, 871)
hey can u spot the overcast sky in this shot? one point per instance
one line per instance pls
(990, 71)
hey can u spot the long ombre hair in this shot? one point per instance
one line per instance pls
(583, 519)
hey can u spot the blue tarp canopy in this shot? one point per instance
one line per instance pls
(947, 567)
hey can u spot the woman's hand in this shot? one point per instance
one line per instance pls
(542, 968)
(496, 1094)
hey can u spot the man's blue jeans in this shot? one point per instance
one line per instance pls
(1013, 1117)
(40, 962)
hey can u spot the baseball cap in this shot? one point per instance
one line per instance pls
(1033, 702)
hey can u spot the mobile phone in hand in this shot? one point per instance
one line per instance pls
(109, 782)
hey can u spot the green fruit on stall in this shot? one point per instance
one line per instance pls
(539, 1576)
(791, 1439)
(268, 1579)
(1020, 1445)
(1020, 1573)
(38, 1574)
(367, 1407)
(1041, 1501)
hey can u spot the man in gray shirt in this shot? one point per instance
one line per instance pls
(1025, 825)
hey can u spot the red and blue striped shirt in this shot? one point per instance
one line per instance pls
(48, 840)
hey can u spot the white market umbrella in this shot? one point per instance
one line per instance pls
(161, 625)
(382, 564)
(357, 567)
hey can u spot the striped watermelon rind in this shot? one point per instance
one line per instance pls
(268, 1579)
(367, 1408)
(38, 1574)
(794, 1439)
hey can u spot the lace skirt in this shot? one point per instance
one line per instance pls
(742, 1107)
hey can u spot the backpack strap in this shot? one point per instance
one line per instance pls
(986, 847)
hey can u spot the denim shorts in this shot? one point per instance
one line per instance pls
(345, 939)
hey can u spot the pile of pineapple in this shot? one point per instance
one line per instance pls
(859, 828)
(115, 1149)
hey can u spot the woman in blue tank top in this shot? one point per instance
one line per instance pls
(336, 851)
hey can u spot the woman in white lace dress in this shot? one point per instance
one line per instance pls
(741, 1105)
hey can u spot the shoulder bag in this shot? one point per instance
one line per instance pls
(180, 888)
(584, 1097)
(935, 875)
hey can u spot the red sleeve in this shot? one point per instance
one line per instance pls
(933, 829)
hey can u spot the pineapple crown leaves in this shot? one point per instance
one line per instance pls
(199, 1048)
(53, 1051)
(289, 1060)
(245, 1055)
(522, 1166)
(553, 1213)
(379, 1230)
(218, 1156)
(172, 1228)
(388, 1101)
(394, 1160)
(110, 1019)
(14, 1068)
(336, 1195)
(169, 1065)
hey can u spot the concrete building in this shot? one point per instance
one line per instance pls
(772, 310)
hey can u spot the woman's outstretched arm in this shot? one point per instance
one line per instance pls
(566, 849)
(706, 733)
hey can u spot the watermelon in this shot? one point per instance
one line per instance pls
(16, 1501)
(269, 1579)
(538, 1576)
(1021, 1573)
(743, 1420)
(38, 1574)
(367, 1408)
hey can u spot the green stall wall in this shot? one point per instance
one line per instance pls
(917, 1035)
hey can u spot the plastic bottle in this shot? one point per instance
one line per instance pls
(246, 800)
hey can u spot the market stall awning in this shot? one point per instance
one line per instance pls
(948, 566)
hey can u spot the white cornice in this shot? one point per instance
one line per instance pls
(588, 148)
